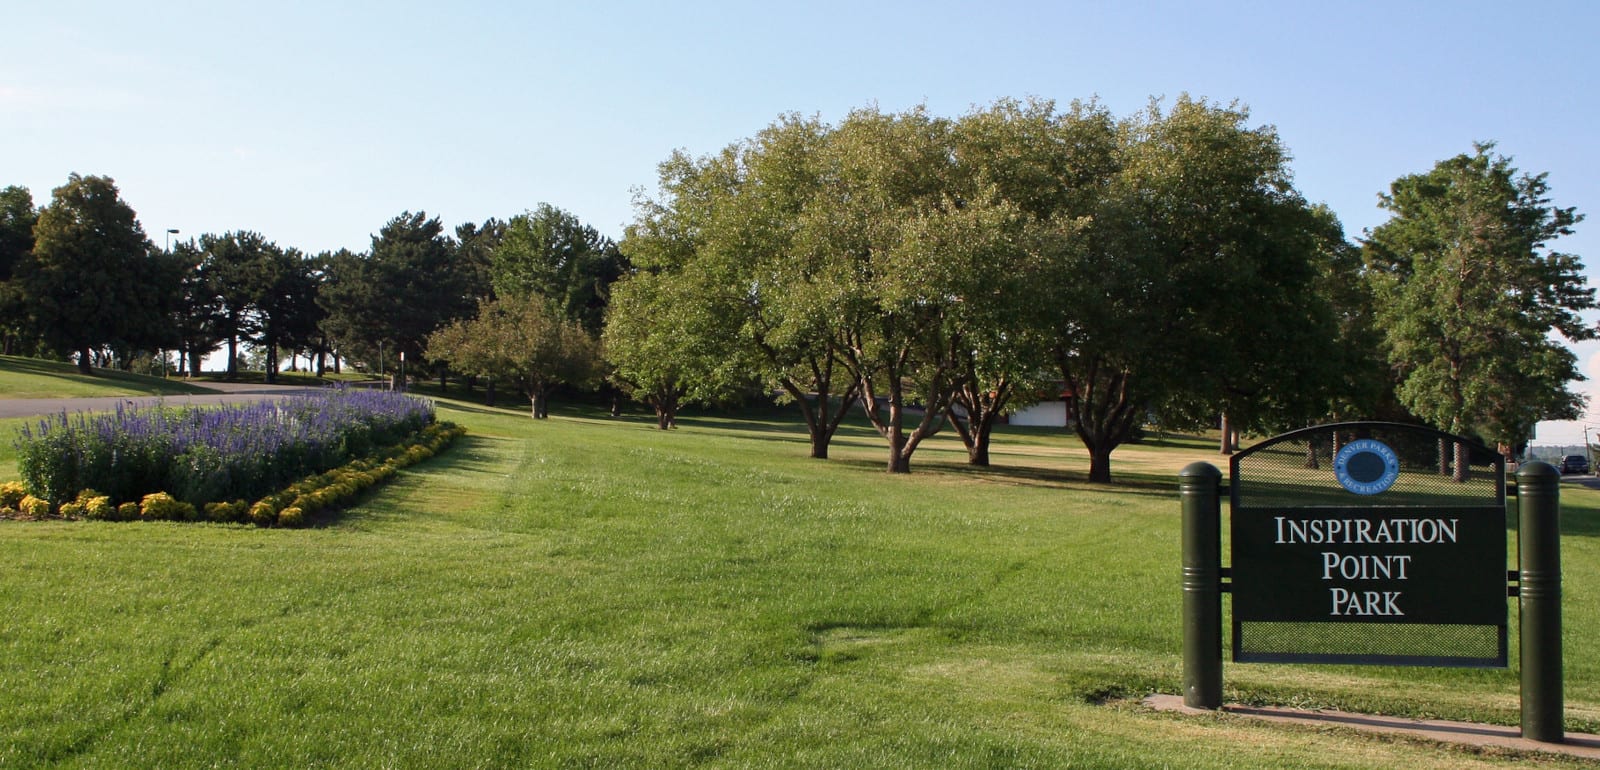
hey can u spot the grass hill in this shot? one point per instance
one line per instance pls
(37, 378)
(588, 591)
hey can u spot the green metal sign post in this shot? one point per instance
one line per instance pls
(1200, 487)
(1539, 600)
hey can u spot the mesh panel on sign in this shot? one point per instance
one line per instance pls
(1369, 543)
(1371, 642)
(1298, 470)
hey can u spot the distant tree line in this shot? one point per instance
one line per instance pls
(79, 278)
(934, 273)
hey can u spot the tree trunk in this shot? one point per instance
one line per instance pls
(898, 462)
(321, 363)
(1101, 408)
(85, 364)
(983, 407)
(272, 361)
(1227, 435)
(540, 406)
(233, 357)
(978, 453)
(1463, 463)
(488, 392)
(444, 375)
(819, 445)
(665, 402)
(1100, 464)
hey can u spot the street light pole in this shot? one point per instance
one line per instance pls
(171, 231)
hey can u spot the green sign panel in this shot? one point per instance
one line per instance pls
(1369, 543)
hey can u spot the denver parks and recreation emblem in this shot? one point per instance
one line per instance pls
(1366, 466)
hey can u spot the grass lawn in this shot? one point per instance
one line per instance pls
(36, 378)
(590, 592)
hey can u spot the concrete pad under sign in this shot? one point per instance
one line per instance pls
(1582, 745)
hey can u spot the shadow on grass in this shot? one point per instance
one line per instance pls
(1149, 485)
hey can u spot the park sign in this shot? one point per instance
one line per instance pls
(1377, 543)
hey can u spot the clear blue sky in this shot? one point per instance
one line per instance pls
(316, 122)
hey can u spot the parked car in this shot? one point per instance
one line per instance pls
(1574, 464)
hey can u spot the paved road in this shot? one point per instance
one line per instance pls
(226, 393)
(1584, 479)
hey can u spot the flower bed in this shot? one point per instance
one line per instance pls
(201, 456)
(292, 506)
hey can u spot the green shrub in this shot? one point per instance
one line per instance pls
(291, 517)
(73, 510)
(128, 511)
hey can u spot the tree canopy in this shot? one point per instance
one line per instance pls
(948, 266)
(94, 279)
(409, 284)
(548, 252)
(1469, 293)
(524, 340)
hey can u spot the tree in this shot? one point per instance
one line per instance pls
(524, 340)
(239, 267)
(1195, 292)
(286, 306)
(883, 185)
(929, 240)
(656, 343)
(87, 283)
(728, 224)
(17, 218)
(1470, 292)
(196, 317)
(549, 252)
(390, 299)
(1050, 165)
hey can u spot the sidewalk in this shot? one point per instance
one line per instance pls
(1580, 745)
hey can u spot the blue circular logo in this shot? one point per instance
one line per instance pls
(1366, 466)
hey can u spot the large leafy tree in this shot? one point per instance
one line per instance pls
(388, 300)
(1051, 166)
(549, 252)
(909, 256)
(1469, 293)
(240, 267)
(730, 224)
(286, 306)
(89, 283)
(17, 218)
(197, 317)
(1197, 290)
(656, 342)
(523, 340)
